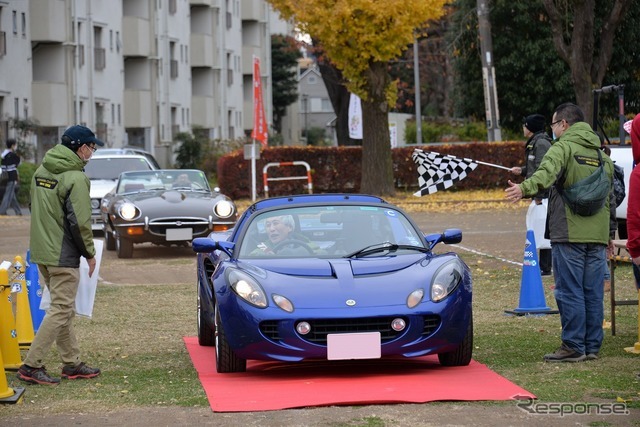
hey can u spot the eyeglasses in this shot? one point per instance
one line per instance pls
(556, 122)
(92, 147)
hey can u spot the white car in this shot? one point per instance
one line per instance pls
(622, 156)
(103, 170)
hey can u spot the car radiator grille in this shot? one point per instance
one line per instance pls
(159, 226)
(321, 328)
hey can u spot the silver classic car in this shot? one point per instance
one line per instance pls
(164, 207)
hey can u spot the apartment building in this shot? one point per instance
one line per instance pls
(136, 71)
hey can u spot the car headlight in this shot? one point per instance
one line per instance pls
(95, 203)
(127, 211)
(247, 288)
(446, 280)
(223, 209)
(415, 297)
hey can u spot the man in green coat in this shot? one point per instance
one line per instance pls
(60, 235)
(578, 243)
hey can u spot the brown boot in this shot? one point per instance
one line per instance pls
(607, 285)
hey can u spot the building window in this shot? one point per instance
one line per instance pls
(3, 43)
(118, 41)
(119, 115)
(99, 53)
(113, 113)
(24, 25)
(111, 40)
(173, 7)
(16, 108)
(15, 22)
(25, 108)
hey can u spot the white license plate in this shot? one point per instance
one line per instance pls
(179, 234)
(362, 345)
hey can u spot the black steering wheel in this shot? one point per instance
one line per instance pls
(293, 242)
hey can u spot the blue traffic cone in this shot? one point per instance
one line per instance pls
(531, 290)
(34, 292)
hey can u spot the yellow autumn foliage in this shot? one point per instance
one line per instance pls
(358, 33)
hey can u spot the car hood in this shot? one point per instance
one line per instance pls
(100, 187)
(315, 267)
(174, 202)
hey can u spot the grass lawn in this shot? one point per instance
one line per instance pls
(135, 337)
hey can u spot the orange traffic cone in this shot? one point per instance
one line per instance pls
(24, 325)
(531, 290)
(8, 334)
(8, 394)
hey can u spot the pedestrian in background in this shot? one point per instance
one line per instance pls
(60, 234)
(633, 203)
(537, 145)
(9, 163)
(579, 243)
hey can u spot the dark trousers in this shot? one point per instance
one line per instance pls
(545, 260)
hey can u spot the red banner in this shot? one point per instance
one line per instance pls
(259, 121)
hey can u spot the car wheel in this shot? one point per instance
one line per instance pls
(461, 356)
(109, 241)
(622, 229)
(124, 247)
(226, 360)
(206, 331)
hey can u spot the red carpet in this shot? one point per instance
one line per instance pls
(275, 385)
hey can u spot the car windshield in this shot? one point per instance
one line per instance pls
(330, 231)
(163, 179)
(112, 167)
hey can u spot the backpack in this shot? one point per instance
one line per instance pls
(587, 196)
(618, 184)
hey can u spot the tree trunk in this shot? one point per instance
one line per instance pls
(377, 165)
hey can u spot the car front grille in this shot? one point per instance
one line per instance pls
(321, 328)
(159, 226)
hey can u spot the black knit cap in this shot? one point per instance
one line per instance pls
(534, 122)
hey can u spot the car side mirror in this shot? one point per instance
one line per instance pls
(207, 245)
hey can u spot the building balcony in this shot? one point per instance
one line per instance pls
(253, 10)
(48, 20)
(47, 99)
(138, 108)
(248, 52)
(136, 37)
(212, 3)
(203, 111)
(203, 51)
(100, 58)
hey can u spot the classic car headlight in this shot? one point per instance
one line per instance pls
(95, 203)
(223, 209)
(127, 211)
(247, 288)
(445, 280)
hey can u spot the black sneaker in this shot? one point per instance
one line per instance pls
(564, 354)
(79, 372)
(36, 376)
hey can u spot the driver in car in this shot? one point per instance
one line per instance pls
(281, 238)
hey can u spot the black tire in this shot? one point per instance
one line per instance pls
(109, 241)
(461, 356)
(622, 229)
(226, 359)
(206, 331)
(124, 247)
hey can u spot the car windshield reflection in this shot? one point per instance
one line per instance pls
(162, 180)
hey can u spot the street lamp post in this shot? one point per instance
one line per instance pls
(416, 83)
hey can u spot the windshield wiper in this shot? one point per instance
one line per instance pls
(384, 247)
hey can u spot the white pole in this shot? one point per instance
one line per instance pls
(253, 170)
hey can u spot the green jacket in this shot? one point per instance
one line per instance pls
(60, 211)
(574, 155)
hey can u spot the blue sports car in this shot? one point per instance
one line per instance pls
(333, 277)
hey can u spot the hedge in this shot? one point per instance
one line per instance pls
(337, 169)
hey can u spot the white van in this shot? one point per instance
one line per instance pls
(622, 156)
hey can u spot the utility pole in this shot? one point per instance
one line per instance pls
(488, 73)
(416, 84)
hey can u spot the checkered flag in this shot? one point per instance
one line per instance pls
(439, 172)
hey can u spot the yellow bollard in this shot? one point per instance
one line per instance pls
(636, 348)
(24, 324)
(8, 394)
(8, 333)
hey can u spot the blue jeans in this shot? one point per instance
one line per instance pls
(578, 271)
(10, 199)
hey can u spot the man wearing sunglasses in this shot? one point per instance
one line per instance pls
(60, 234)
